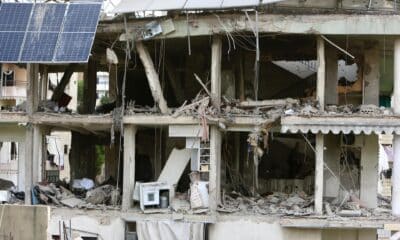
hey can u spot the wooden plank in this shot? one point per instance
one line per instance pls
(152, 77)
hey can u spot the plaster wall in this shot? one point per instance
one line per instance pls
(104, 227)
(255, 230)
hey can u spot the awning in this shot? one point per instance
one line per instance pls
(341, 124)
(126, 6)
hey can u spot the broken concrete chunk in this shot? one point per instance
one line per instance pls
(100, 195)
(293, 201)
(350, 213)
(72, 202)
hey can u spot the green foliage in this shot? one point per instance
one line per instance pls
(100, 157)
(104, 100)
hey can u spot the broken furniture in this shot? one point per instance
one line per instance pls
(153, 194)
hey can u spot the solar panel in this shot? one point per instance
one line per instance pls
(14, 17)
(47, 17)
(82, 18)
(39, 47)
(10, 43)
(73, 47)
(47, 32)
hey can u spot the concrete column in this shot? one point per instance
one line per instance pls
(332, 160)
(32, 101)
(129, 166)
(215, 134)
(369, 171)
(32, 88)
(216, 54)
(319, 173)
(44, 83)
(331, 94)
(21, 166)
(371, 75)
(215, 167)
(321, 72)
(37, 154)
(396, 138)
(28, 163)
(112, 82)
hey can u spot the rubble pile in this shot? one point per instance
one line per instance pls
(96, 198)
(310, 109)
(295, 204)
(202, 105)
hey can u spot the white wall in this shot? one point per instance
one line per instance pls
(107, 227)
(257, 230)
(262, 230)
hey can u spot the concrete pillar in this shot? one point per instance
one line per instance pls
(89, 87)
(319, 173)
(321, 72)
(216, 54)
(112, 82)
(331, 94)
(32, 88)
(369, 171)
(129, 166)
(32, 101)
(332, 160)
(396, 138)
(28, 163)
(371, 74)
(21, 166)
(44, 82)
(37, 154)
(215, 134)
(215, 167)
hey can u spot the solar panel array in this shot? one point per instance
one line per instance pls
(47, 32)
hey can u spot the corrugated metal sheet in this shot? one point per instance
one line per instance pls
(337, 125)
(126, 6)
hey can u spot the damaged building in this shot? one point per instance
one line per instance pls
(200, 120)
